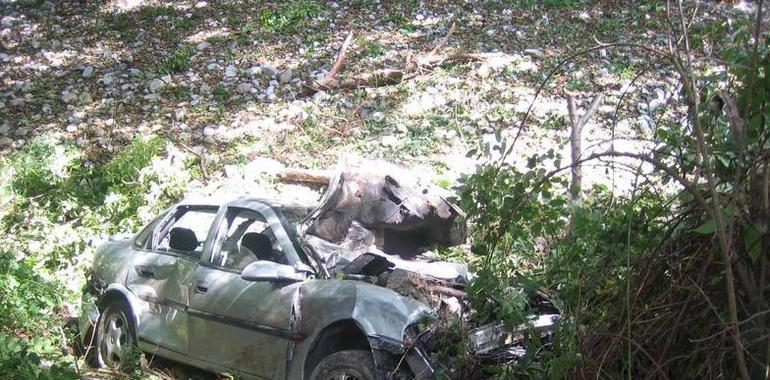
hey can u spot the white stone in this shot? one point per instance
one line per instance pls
(231, 71)
(68, 97)
(244, 88)
(156, 85)
(536, 53)
(212, 67)
(15, 102)
(320, 95)
(285, 76)
(389, 141)
(254, 71)
(5, 141)
(203, 46)
(72, 128)
(107, 79)
(270, 71)
(88, 71)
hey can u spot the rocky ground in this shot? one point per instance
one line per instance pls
(225, 79)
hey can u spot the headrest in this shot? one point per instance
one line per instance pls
(182, 239)
(259, 244)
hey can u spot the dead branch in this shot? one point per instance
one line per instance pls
(443, 42)
(330, 77)
(311, 176)
(391, 76)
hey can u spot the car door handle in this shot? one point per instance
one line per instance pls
(201, 287)
(145, 271)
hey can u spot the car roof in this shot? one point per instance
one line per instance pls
(243, 201)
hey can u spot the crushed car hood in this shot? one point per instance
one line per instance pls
(377, 215)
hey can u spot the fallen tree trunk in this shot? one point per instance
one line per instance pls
(388, 77)
(309, 176)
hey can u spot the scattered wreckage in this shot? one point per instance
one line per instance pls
(277, 290)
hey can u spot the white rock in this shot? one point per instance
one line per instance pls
(156, 85)
(203, 46)
(212, 67)
(107, 79)
(205, 88)
(209, 131)
(5, 141)
(244, 88)
(270, 71)
(88, 71)
(536, 53)
(285, 76)
(607, 109)
(134, 72)
(68, 97)
(254, 71)
(389, 141)
(269, 90)
(231, 71)
(72, 128)
(16, 102)
(85, 98)
(320, 95)
(584, 16)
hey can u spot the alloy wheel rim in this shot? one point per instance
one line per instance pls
(343, 375)
(115, 339)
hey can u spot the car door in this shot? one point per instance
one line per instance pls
(246, 324)
(161, 274)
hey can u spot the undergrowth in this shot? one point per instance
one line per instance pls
(57, 206)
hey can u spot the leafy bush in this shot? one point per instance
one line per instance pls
(56, 208)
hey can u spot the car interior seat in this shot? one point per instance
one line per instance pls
(259, 244)
(182, 239)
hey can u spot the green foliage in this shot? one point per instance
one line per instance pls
(178, 62)
(56, 208)
(290, 17)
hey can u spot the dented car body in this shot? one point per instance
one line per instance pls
(282, 291)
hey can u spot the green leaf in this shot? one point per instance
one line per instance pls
(752, 239)
(707, 228)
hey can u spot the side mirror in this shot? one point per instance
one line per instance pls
(269, 271)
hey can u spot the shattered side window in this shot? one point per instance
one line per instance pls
(248, 238)
(143, 239)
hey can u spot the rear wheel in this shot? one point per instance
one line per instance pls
(115, 336)
(346, 365)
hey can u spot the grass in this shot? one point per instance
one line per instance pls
(178, 62)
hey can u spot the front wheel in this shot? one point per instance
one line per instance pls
(115, 337)
(346, 365)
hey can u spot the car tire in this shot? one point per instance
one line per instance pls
(346, 365)
(115, 336)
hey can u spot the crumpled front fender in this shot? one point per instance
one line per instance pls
(379, 312)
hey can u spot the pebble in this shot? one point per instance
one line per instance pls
(72, 128)
(320, 95)
(68, 97)
(5, 141)
(212, 67)
(203, 46)
(536, 53)
(254, 71)
(16, 102)
(107, 79)
(88, 71)
(389, 141)
(156, 85)
(285, 76)
(244, 88)
(270, 71)
(231, 71)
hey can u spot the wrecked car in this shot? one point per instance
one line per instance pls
(275, 290)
